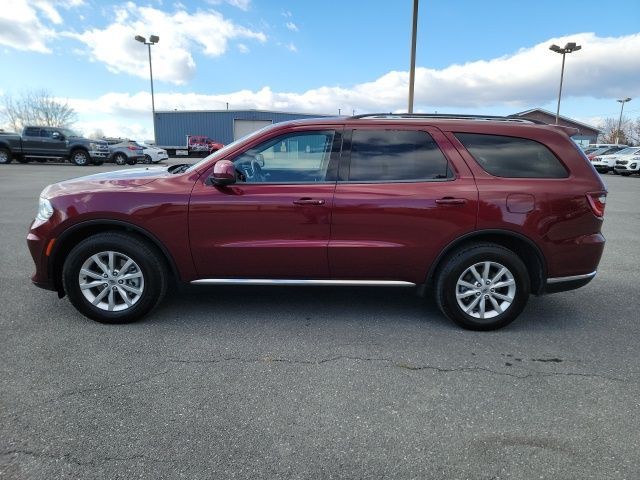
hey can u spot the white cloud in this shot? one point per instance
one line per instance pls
(292, 26)
(291, 47)
(27, 24)
(242, 48)
(604, 68)
(180, 34)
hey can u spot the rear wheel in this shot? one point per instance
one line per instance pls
(483, 287)
(80, 158)
(5, 156)
(132, 161)
(147, 159)
(114, 277)
(120, 159)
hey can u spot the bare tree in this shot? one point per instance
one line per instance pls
(36, 107)
(610, 133)
(97, 134)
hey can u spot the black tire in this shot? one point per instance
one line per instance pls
(120, 159)
(625, 174)
(147, 159)
(5, 156)
(80, 158)
(149, 261)
(458, 264)
(132, 161)
(97, 161)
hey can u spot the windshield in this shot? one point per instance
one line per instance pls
(226, 148)
(628, 151)
(67, 132)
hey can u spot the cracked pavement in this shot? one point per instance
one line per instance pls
(265, 382)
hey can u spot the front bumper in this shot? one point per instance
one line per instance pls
(37, 247)
(99, 154)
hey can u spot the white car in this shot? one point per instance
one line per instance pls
(628, 165)
(606, 163)
(154, 154)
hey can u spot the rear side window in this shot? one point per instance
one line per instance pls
(512, 156)
(395, 155)
(32, 132)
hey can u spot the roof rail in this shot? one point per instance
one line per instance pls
(448, 116)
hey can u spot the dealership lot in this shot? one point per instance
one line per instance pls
(317, 383)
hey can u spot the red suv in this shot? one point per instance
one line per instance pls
(483, 211)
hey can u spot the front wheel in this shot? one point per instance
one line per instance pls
(147, 159)
(114, 277)
(483, 287)
(80, 158)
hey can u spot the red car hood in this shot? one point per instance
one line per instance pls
(128, 178)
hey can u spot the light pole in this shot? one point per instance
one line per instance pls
(412, 70)
(153, 39)
(568, 48)
(622, 101)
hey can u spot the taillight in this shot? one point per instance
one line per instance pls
(597, 201)
(131, 147)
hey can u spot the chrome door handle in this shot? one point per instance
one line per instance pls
(451, 201)
(308, 201)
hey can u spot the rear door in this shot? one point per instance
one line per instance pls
(403, 194)
(32, 141)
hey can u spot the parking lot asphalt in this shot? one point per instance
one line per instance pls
(239, 382)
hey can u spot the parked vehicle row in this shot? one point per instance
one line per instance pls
(482, 211)
(195, 146)
(43, 144)
(606, 163)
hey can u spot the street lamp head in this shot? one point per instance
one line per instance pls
(154, 39)
(140, 38)
(555, 48)
(628, 99)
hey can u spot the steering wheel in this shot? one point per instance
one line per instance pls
(251, 170)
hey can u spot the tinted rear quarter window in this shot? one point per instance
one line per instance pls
(512, 157)
(395, 155)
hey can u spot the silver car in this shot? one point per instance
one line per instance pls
(124, 151)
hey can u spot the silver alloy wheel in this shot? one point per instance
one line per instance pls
(111, 281)
(485, 290)
(80, 158)
(4, 156)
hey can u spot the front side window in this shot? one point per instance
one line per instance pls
(293, 158)
(395, 155)
(512, 157)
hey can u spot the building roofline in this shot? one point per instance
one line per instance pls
(566, 119)
(247, 110)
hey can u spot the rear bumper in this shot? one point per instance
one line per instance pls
(563, 284)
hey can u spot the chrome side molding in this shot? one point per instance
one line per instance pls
(325, 283)
(572, 278)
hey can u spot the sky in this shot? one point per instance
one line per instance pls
(329, 56)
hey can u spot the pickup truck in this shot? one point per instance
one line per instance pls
(51, 143)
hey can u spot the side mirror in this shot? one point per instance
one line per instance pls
(57, 136)
(224, 173)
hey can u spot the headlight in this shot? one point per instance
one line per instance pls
(633, 165)
(45, 210)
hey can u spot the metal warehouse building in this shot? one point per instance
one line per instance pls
(172, 127)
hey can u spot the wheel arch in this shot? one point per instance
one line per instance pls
(519, 244)
(82, 230)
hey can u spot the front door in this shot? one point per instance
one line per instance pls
(275, 221)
